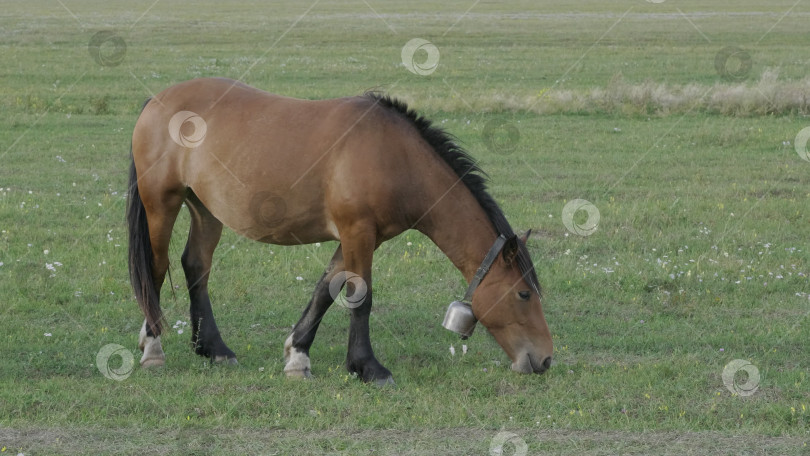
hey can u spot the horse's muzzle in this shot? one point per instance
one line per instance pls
(528, 364)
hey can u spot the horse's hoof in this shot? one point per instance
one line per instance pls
(299, 374)
(152, 362)
(385, 382)
(297, 365)
(225, 360)
(153, 355)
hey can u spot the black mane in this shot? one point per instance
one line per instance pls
(466, 168)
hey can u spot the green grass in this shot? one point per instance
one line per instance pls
(700, 256)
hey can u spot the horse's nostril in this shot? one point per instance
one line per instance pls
(542, 367)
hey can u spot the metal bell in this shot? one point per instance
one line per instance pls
(460, 319)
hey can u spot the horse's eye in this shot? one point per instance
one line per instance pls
(524, 295)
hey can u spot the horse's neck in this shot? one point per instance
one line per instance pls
(458, 225)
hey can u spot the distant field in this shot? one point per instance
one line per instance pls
(700, 256)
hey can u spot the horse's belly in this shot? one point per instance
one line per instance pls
(292, 234)
(270, 218)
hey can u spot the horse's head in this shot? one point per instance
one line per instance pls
(507, 303)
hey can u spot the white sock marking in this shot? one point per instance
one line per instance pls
(152, 350)
(297, 361)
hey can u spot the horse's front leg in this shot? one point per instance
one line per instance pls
(358, 251)
(360, 358)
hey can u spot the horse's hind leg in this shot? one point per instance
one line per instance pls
(296, 347)
(161, 211)
(203, 238)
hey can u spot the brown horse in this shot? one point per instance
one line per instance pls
(358, 170)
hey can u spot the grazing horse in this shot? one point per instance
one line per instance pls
(358, 170)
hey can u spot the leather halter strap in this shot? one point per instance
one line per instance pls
(484, 268)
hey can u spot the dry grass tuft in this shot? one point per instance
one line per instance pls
(767, 96)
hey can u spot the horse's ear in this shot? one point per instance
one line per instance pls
(525, 238)
(510, 249)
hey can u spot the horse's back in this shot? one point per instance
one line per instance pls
(273, 168)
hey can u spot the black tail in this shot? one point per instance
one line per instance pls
(140, 253)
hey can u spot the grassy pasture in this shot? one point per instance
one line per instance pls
(700, 256)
